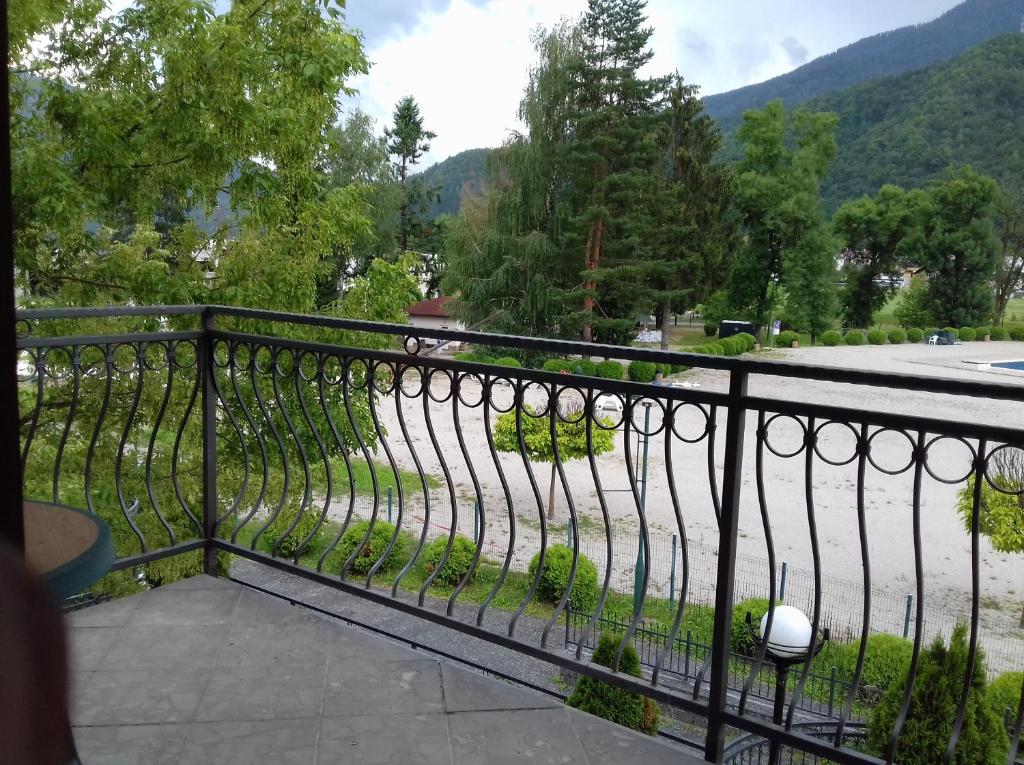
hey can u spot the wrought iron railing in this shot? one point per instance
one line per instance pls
(242, 432)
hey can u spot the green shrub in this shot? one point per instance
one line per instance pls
(1017, 333)
(999, 333)
(897, 336)
(289, 545)
(933, 708)
(642, 371)
(554, 579)
(609, 701)
(710, 328)
(609, 370)
(717, 349)
(740, 639)
(831, 338)
(854, 337)
(677, 368)
(915, 334)
(749, 341)
(885, 661)
(1004, 693)
(557, 365)
(584, 367)
(476, 358)
(980, 332)
(459, 560)
(733, 346)
(665, 369)
(931, 331)
(786, 338)
(967, 334)
(876, 337)
(954, 330)
(371, 551)
(507, 361)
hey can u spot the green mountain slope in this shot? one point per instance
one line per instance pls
(890, 53)
(909, 129)
(461, 173)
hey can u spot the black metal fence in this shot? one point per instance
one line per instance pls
(202, 431)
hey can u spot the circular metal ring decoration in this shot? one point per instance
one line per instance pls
(412, 344)
(887, 471)
(185, 354)
(635, 406)
(531, 409)
(94, 360)
(284, 362)
(767, 440)
(57, 364)
(571, 405)
(221, 354)
(447, 380)
(818, 439)
(971, 461)
(158, 359)
(263, 359)
(1005, 457)
(310, 365)
(677, 409)
(125, 357)
(241, 357)
(603, 403)
(500, 393)
(418, 378)
(332, 368)
(357, 373)
(383, 376)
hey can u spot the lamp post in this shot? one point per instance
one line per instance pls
(788, 642)
(638, 571)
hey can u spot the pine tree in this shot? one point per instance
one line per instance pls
(613, 164)
(408, 141)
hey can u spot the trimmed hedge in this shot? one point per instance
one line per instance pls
(1004, 693)
(554, 578)
(980, 332)
(897, 336)
(749, 341)
(876, 337)
(584, 367)
(477, 358)
(610, 701)
(999, 333)
(557, 365)
(915, 335)
(609, 370)
(290, 545)
(885, 661)
(507, 361)
(831, 338)
(786, 338)
(1017, 333)
(642, 371)
(710, 329)
(967, 334)
(954, 330)
(371, 550)
(459, 560)
(854, 337)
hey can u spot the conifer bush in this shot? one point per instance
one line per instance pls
(885, 661)
(933, 709)
(786, 338)
(459, 560)
(1017, 333)
(557, 365)
(642, 371)
(999, 333)
(710, 329)
(967, 334)
(554, 578)
(831, 338)
(609, 370)
(507, 361)
(897, 336)
(291, 544)
(609, 701)
(1004, 694)
(980, 332)
(749, 341)
(370, 551)
(876, 337)
(915, 334)
(854, 337)
(584, 367)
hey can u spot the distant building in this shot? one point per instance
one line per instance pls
(434, 314)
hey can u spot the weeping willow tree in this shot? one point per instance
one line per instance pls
(506, 262)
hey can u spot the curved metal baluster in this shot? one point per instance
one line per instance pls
(915, 656)
(862, 461)
(972, 649)
(398, 479)
(76, 366)
(485, 392)
(176, 450)
(108, 363)
(519, 406)
(237, 501)
(307, 491)
(260, 442)
(670, 641)
(161, 411)
(327, 465)
(369, 465)
(280, 446)
(34, 421)
(809, 444)
(348, 466)
(599, 608)
(638, 608)
(716, 501)
(762, 503)
(557, 461)
(454, 525)
(119, 460)
(1018, 726)
(500, 581)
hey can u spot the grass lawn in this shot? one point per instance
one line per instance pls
(886, 318)
(385, 477)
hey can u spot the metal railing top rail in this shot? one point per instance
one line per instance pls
(1000, 391)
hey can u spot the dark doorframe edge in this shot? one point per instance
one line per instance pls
(12, 524)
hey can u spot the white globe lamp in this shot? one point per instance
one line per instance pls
(790, 634)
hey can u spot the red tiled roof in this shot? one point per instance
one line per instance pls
(434, 307)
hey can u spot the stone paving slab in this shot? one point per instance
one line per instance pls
(206, 671)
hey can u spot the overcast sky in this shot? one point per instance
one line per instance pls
(466, 61)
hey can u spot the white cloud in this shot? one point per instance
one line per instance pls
(466, 61)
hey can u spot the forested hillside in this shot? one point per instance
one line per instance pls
(465, 171)
(889, 53)
(908, 130)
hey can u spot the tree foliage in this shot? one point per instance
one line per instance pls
(407, 141)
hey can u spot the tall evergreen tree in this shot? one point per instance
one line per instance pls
(786, 244)
(408, 140)
(613, 160)
(1010, 227)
